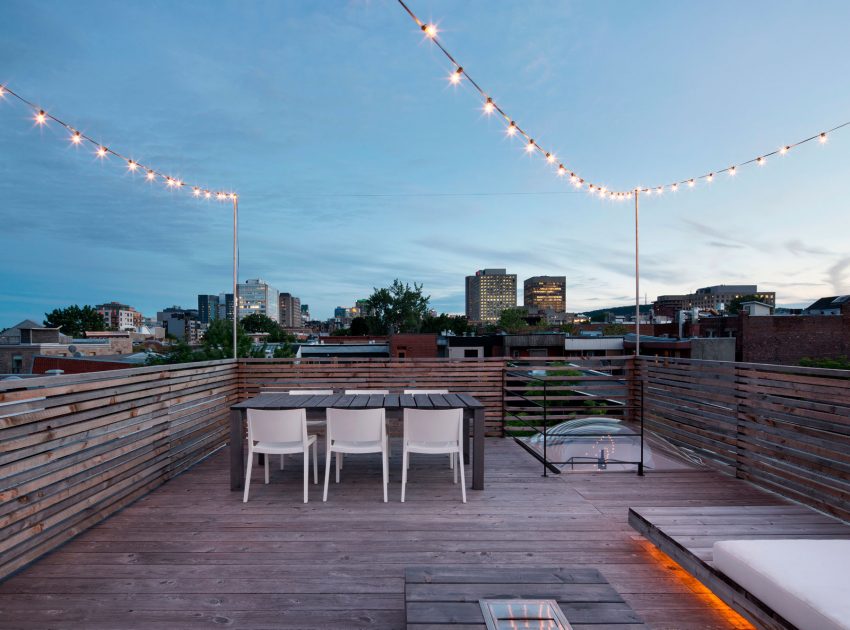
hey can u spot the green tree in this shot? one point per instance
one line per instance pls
(218, 340)
(74, 320)
(397, 308)
(614, 330)
(513, 319)
(284, 352)
(457, 324)
(359, 327)
(734, 307)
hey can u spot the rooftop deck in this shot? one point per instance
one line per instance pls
(191, 554)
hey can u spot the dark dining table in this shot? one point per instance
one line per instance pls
(473, 410)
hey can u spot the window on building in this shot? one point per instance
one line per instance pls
(470, 353)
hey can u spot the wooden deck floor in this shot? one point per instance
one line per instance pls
(192, 555)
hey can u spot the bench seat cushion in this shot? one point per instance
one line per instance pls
(806, 581)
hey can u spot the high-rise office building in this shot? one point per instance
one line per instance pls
(545, 294)
(290, 310)
(305, 313)
(258, 296)
(488, 293)
(225, 306)
(207, 308)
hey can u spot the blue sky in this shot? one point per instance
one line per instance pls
(357, 163)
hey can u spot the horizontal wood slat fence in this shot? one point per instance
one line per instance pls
(481, 378)
(784, 428)
(76, 448)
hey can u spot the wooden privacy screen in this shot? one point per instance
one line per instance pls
(481, 378)
(784, 428)
(75, 449)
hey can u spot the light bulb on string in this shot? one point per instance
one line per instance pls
(784, 150)
(674, 187)
(101, 152)
(550, 157)
(150, 175)
(207, 194)
(761, 161)
(710, 177)
(456, 76)
(489, 106)
(40, 117)
(511, 130)
(822, 137)
(561, 170)
(76, 137)
(131, 165)
(219, 196)
(733, 170)
(691, 183)
(530, 146)
(2, 91)
(660, 190)
(196, 191)
(430, 30)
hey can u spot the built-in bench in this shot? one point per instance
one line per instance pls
(689, 534)
(447, 597)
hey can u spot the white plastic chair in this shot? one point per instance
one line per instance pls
(434, 391)
(356, 431)
(310, 423)
(279, 432)
(367, 392)
(433, 431)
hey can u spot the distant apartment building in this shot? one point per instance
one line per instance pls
(258, 296)
(21, 344)
(225, 306)
(488, 293)
(117, 316)
(181, 323)
(208, 308)
(713, 298)
(545, 294)
(305, 313)
(290, 310)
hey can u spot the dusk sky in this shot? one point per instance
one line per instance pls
(356, 162)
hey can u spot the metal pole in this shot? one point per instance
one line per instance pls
(235, 272)
(637, 277)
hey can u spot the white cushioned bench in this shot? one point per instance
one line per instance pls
(805, 581)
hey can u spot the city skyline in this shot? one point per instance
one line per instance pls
(336, 204)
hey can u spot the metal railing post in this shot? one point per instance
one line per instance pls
(545, 433)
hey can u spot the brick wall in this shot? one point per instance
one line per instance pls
(414, 346)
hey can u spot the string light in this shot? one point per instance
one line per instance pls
(561, 170)
(513, 129)
(550, 158)
(41, 118)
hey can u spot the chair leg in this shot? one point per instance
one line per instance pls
(405, 458)
(462, 475)
(248, 477)
(327, 473)
(340, 460)
(281, 462)
(267, 458)
(384, 456)
(306, 471)
(451, 461)
(338, 465)
(454, 468)
(315, 464)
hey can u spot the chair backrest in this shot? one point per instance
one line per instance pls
(356, 425)
(426, 391)
(433, 425)
(367, 391)
(311, 392)
(277, 425)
